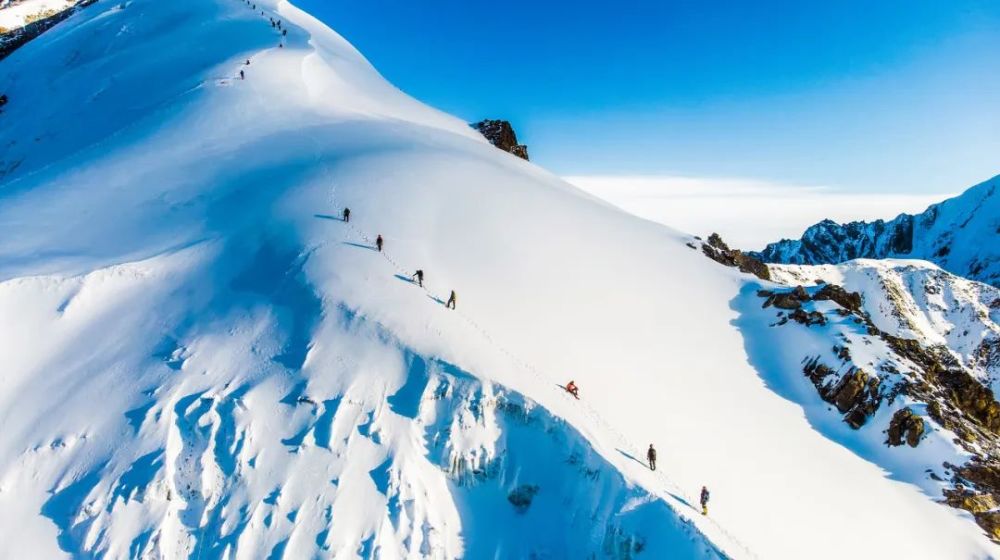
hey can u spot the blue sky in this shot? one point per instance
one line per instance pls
(889, 96)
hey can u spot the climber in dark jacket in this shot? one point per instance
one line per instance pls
(242, 76)
(651, 457)
(419, 277)
(704, 500)
(451, 300)
(378, 243)
(347, 214)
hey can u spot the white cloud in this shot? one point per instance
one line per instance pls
(747, 213)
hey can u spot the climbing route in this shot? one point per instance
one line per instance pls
(671, 488)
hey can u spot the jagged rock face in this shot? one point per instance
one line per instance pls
(950, 234)
(717, 250)
(501, 134)
(905, 426)
(856, 395)
(916, 305)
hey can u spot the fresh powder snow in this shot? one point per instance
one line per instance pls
(201, 359)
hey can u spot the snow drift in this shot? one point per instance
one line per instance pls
(201, 360)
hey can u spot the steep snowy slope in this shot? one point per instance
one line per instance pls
(201, 360)
(959, 234)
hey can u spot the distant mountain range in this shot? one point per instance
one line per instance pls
(961, 235)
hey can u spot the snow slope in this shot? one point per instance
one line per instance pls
(958, 234)
(201, 360)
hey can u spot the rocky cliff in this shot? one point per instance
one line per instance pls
(501, 134)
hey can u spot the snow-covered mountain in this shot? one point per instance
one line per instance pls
(904, 353)
(202, 360)
(960, 235)
(917, 300)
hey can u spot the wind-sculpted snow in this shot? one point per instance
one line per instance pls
(200, 359)
(955, 234)
(224, 448)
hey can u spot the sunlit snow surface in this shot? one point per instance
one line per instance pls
(201, 360)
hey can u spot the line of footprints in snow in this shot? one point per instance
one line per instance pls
(418, 279)
(275, 23)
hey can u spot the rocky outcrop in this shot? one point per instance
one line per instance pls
(955, 400)
(501, 134)
(717, 250)
(856, 394)
(832, 292)
(905, 426)
(16, 38)
(944, 391)
(949, 234)
(982, 505)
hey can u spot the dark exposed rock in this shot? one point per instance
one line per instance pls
(717, 250)
(977, 490)
(817, 372)
(501, 134)
(970, 501)
(971, 397)
(990, 522)
(522, 496)
(856, 395)
(15, 39)
(843, 353)
(807, 318)
(905, 426)
(784, 300)
(837, 294)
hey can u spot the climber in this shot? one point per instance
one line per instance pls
(347, 214)
(284, 32)
(572, 389)
(419, 277)
(248, 62)
(3, 100)
(704, 500)
(451, 300)
(378, 243)
(651, 456)
(242, 76)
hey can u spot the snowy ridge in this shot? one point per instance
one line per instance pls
(951, 234)
(202, 360)
(917, 300)
(905, 354)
